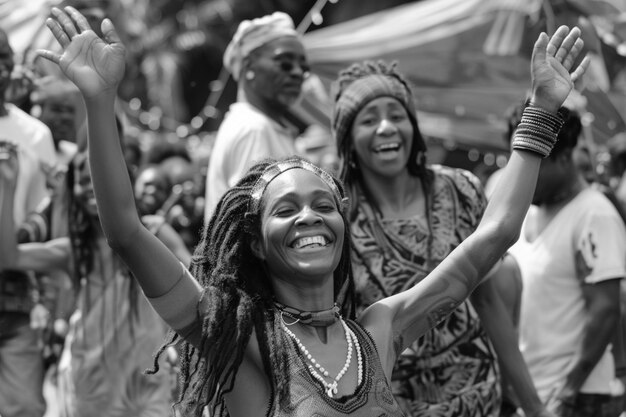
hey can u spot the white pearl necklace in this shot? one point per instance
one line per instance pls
(314, 366)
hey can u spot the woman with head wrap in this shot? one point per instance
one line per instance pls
(406, 218)
(267, 59)
(266, 311)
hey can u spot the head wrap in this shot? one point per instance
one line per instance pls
(254, 33)
(362, 91)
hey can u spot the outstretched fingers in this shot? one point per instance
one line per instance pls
(539, 50)
(109, 32)
(79, 20)
(581, 69)
(567, 44)
(58, 32)
(556, 41)
(67, 23)
(64, 21)
(570, 58)
(568, 52)
(49, 55)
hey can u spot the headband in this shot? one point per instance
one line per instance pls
(277, 168)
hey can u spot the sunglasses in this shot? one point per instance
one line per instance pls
(287, 64)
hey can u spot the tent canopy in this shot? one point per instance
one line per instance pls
(468, 61)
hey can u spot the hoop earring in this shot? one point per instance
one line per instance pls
(250, 75)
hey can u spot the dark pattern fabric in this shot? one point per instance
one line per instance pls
(452, 370)
(592, 405)
(372, 398)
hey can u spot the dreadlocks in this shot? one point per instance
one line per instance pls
(238, 299)
(356, 86)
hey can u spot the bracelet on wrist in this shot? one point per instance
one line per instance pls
(537, 131)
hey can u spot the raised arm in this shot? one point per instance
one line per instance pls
(96, 66)
(418, 309)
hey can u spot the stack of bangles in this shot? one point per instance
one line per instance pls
(537, 131)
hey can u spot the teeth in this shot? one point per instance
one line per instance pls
(313, 241)
(387, 147)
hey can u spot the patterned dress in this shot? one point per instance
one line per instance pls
(451, 370)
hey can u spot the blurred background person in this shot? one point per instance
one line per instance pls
(152, 188)
(113, 329)
(57, 103)
(21, 362)
(616, 148)
(571, 255)
(267, 59)
(183, 206)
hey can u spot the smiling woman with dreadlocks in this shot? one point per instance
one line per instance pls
(268, 326)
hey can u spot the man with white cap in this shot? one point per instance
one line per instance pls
(267, 59)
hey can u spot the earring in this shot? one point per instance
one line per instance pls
(249, 75)
(421, 158)
(352, 162)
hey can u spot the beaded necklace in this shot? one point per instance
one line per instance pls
(318, 372)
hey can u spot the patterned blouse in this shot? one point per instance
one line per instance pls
(451, 370)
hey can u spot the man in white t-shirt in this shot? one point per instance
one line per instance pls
(571, 254)
(267, 59)
(21, 361)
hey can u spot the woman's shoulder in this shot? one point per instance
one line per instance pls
(460, 178)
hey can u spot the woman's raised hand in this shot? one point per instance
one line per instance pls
(551, 67)
(95, 65)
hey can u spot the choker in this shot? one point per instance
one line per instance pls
(321, 318)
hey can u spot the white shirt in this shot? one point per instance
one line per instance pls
(245, 136)
(585, 243)
(35, 145)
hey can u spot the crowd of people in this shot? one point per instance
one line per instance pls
(136, 282)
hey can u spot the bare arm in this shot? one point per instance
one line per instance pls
(499, 326)
(96, 66)
(411, 313)
(39, 257)
(602, 302)
(53, 255)
(170, 238)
